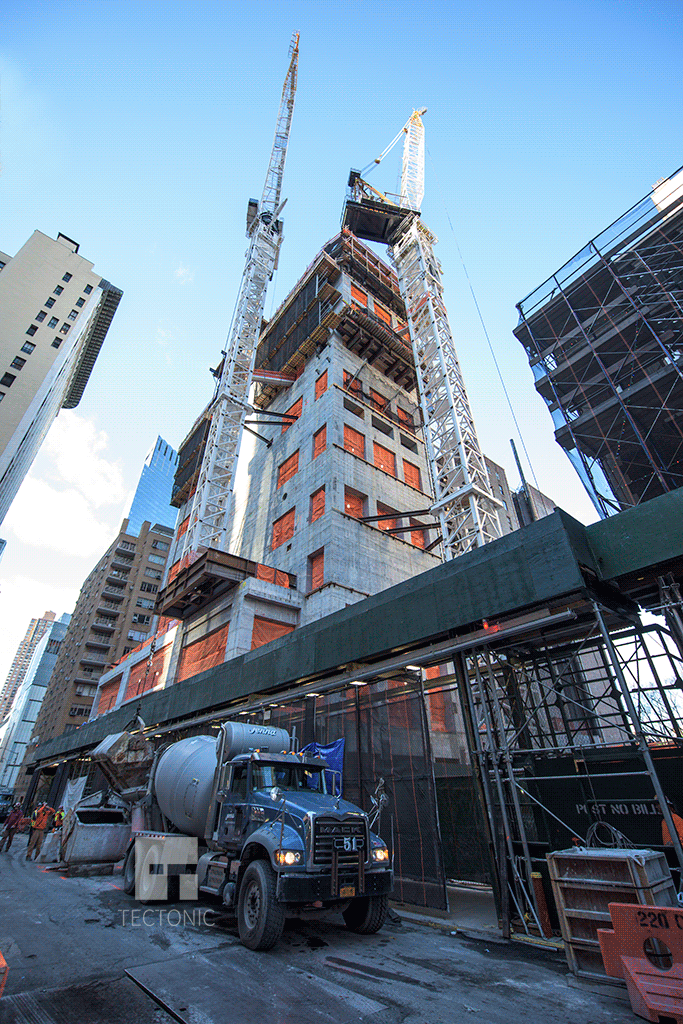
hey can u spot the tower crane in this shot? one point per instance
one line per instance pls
(464, 503)
(209, 518)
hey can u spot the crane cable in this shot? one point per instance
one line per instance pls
(483, 324)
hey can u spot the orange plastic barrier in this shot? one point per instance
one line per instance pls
(4, 971)
(645, 948)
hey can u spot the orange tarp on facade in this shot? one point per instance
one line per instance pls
(321, 385)
(411, 475)
(294, 410)
(270, 575)
(203, 654)
(266, 630)
(317, 504)
(317, 569)
(108, 695)
(353, 503)
(354, 441)
(383, 458)
(320, 441)
(283, 528)
(288, 469)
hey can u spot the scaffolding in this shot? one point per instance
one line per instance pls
(604, 338)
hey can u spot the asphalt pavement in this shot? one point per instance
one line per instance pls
(80, 951)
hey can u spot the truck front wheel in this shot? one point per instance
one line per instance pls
(366, 914)
(259, 916)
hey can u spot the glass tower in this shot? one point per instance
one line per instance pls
(152, 498)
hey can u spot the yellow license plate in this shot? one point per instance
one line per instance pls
(347, 891)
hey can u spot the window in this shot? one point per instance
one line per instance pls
(2, 395)
(316, 569)
(354, 441)
(404, 418)
(141, 620)
(317, 504)
(137, 634)
(389, 523)
(321, 385)
(154, 573)
(7, 380)
(320, 441)
(157, 559)
(58, 290)
(288, 468)
(18, 362)
(411, 475)
(40, 316)
(354, 503)
(294, 410)
(417, 537)
(78, 711)
(80, 302)
(53, 321)
(50, 303)
(144, 602)
(67, 277)
(87, 289)
(352, 384)
(384, 459)
(149, 588)
(73, 314)
(32, 330)
(283, 529)
(160, 545)
(65, 328)
(57, 342)
(28, 346)
(359, 296)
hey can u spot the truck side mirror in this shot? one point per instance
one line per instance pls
(275, 793)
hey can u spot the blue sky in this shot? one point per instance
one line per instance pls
(141, 129)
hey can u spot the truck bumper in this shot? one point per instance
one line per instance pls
(309, 888)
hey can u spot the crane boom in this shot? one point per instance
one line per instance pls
(464, 502)
(209, 518)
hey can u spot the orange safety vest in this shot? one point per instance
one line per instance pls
(41, 817)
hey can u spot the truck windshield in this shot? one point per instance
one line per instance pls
(289, 777)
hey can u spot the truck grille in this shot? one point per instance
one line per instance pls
(346, 837)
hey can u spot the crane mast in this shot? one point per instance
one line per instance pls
(464, 503)
(209, 518)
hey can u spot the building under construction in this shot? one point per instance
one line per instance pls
(604, 337)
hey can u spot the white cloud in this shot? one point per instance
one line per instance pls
(63, 521)
(184, 275)
(75, 450)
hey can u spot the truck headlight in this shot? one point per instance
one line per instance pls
(381, 854)
(285, 858)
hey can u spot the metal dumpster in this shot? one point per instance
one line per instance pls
(95, 834)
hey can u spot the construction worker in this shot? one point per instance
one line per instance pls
(11, 827)
(59, 819)
(40, 820)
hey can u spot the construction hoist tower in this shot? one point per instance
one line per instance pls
(210, 516)
(464, 503)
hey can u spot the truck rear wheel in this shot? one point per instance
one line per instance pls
(129, 871)
(260, 917)
(366, 914)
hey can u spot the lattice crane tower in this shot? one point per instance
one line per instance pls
(464, 503)
(210, 515)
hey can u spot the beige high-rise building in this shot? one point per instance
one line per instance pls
(22, 659)
(54, 316)
(113, 615)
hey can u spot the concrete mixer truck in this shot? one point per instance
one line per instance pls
(273, 835)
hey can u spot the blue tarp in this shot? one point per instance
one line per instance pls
(333, 753)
